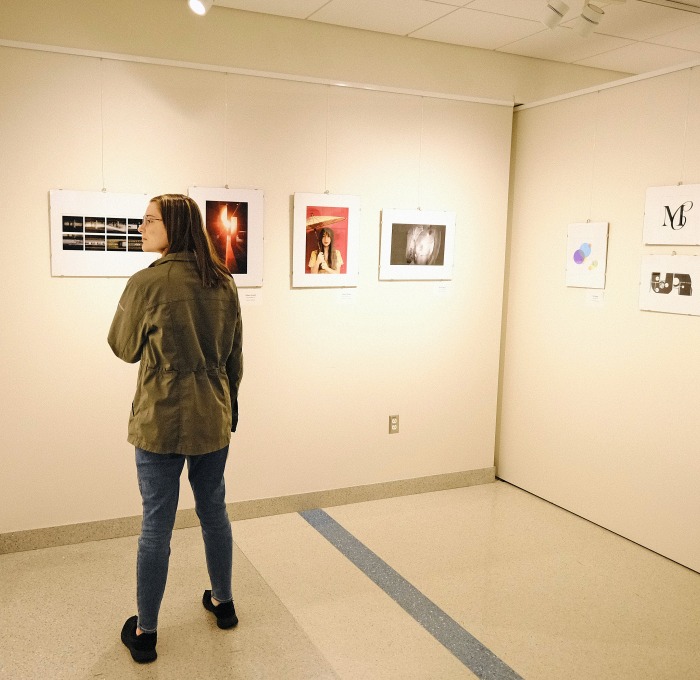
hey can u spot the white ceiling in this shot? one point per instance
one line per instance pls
(636, 36)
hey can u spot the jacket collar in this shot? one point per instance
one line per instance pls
(174, 257)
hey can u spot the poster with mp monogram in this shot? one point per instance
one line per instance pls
(672, 215)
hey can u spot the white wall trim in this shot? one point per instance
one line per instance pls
(115, 56)
(606, 86)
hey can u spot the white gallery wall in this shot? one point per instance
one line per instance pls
(322, 375)
(599, 406)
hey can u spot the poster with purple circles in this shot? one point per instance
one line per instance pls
(586, 254)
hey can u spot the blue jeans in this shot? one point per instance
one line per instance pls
(159, 483)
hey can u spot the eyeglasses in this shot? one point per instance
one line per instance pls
(150, 220)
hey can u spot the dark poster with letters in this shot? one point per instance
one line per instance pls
(670, 283)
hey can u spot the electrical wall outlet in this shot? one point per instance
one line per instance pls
(393, 424)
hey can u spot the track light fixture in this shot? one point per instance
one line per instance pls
(554, 13)
(585, 24)
(200, 7)
(589, 20)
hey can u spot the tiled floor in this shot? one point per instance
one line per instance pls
(552, 596)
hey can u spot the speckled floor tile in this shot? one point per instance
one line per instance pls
(458, 641)
(62, 609)
(551, 594)
(363, 633)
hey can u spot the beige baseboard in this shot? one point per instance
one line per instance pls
(51, 537)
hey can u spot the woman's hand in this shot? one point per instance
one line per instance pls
(315, 261)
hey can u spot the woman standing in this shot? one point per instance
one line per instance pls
(181, 319)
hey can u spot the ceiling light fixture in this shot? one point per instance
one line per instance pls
(589, 20)
(200, 7)
(554, 13)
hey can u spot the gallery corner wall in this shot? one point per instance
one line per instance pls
(97, 95)
(599, 404)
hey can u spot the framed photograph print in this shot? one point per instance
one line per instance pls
(672, 215)
(586, 254)
(417, 245)
(95, 233)
(669, 283)
(325, 240)
(234, 221)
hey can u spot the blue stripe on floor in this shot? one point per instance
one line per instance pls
(474, 655)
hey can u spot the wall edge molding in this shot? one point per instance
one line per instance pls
(120, 527)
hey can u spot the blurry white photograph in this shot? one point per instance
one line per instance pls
(417, 245)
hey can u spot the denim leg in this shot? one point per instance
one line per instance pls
(159, 483)
(206, 475)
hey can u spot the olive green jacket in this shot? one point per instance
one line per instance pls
(188, 339)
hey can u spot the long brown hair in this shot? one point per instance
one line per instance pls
(331, 250)
(184, 227)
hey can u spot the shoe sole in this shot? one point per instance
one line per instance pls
(226, 623)
(143, 657)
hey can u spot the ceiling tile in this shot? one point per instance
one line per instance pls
(562, 44)
(478, 29)
(523, 9)
(685, 39)
(299, 9)
(454, 3)
(640, 58)
(386, 16)
(635, 36)
(641, 20)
